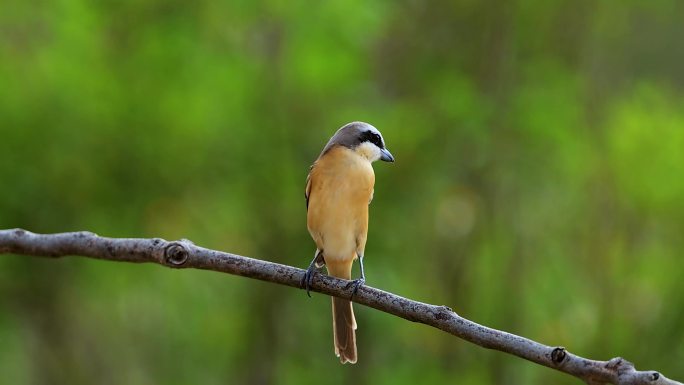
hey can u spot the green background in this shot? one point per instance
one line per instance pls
(538, 186)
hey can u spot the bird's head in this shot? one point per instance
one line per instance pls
(363, 139)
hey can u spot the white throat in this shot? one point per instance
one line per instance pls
(369, 151)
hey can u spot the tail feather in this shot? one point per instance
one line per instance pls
(344, 323)
(344, 326)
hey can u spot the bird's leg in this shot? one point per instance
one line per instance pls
(315, 264)
(361, 281)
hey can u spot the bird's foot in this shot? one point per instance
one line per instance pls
(357, 283)
(308, 279)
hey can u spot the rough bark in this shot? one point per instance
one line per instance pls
(184, 254)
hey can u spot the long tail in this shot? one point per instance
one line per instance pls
(344, 323)
(344, 326)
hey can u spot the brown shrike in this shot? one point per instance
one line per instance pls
(339, 189)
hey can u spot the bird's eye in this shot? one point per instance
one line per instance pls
(369, 136)
(377, 140)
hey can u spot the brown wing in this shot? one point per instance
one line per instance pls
(307, 190)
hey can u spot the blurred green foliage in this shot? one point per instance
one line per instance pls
(538, 184)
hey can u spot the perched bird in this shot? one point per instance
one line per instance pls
(339, 189)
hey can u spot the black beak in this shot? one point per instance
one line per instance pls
(386, 156)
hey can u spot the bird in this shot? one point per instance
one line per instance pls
(339, 189)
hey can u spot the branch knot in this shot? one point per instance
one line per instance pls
(175, 254)
(558, 354)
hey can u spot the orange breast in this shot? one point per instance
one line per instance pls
(341, 188)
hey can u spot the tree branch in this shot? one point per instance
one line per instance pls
(184, 254)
